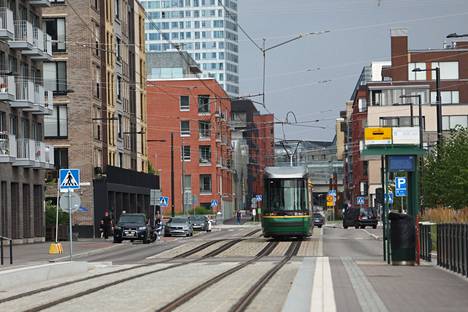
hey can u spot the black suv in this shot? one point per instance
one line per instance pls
(133, 226)
(350, 217)
(367, 217)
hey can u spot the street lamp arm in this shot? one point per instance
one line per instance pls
(300, 36)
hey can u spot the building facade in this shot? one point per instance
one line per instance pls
(253, 142)
(378, 102)
(206, 29)
(24, 101)
(98, 75)
(189, 122)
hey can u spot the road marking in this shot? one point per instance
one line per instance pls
(323, 296)
(367, 297)
(300, 294)
(373, 235)
(320, 244)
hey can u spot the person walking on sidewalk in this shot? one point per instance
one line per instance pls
(107, 224)
(238, 214)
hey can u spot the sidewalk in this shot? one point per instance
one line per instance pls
(39, 253)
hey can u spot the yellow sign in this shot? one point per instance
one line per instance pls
(375, 136)
(330, 200)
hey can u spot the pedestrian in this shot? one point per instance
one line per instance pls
(238, 216)
(101, 228)
(158, 225)
(107, 224)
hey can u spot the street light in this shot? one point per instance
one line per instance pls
(455, 35)
(418, 96)
(438, 100)
(264, 50)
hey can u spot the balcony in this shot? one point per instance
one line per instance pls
(24, 94)
(43, 101)
(7, 27)
(24, 38)
(38, 48)
(40, 3)
(7, 147)
(7, 88)
(31, 153)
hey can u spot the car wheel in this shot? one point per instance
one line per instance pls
(345, 227)
(319, 226)
(117, 241)
(363, 226)
(374, 226)
(356, 226)
(131, 240)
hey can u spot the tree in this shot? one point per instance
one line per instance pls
(445, 174)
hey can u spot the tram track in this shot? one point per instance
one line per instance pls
(91, 290)
(245, 300)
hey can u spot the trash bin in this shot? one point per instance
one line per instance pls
(402, 238)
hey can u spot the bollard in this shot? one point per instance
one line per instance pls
(11, 251)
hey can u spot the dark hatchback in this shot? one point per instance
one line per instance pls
(350, 217)
(367, 217)
(200, 223)
(319, 220)
(133, 226)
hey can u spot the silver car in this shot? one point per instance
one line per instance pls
(178, 226)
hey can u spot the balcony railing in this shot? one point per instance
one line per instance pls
(7, 27)
(7, 147)
(40, 3)
(23, 35)
(26, 152)
(7, 88)
(24, 93)
(31, 153)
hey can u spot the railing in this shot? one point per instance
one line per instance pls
(38, 38)
(425, 238)
(6, 20)
(4, 144)
(452, 247)
(10, 247)
(26, 149)
(7, 85)
(49, 154)
(39, 95)
(24, 90)
(49, 99)
(23, 31)
(48, 44)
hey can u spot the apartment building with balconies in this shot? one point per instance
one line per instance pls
(98, 78)
(24, 101)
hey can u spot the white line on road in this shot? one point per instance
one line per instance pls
(373, 235)
(323, 296)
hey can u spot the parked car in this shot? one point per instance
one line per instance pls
(133, 226)
(200, 222)
(178, 226)
(367, 217)
(319, 219)
(350, 217)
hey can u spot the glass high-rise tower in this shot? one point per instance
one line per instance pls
(206, 29)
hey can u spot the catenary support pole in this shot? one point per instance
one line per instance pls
(70, 224)
(172, 176)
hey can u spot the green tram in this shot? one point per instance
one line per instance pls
(287, 208)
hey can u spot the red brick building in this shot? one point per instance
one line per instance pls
(197, 112)
(265, 153)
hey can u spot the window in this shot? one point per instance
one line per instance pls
(3, 126)
(117, 9)
(205, 183)
(184, 103)
(447, 97)
(416, 75)
(448, 70)
(60, 158)
(55, 28)
(185, 128)
(362, 105)
(205, 154)
(404, 121)
(119, 87)
(186, 153)
(204, 128)
(203, 104)
(118, 52)
(119, 126)
(56, 124)
(55, 77)
(451, 122)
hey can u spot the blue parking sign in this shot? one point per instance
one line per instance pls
(401, 187)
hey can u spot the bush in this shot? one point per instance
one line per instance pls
(51, 213)
(446, 215)
(201, 211)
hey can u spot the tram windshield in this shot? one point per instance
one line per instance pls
(286, 194)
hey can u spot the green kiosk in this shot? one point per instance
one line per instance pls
(400, 151)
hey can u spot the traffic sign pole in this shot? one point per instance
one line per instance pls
(70, 224)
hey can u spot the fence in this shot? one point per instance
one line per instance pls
(452, 247)
(425, 239)
(10, 248)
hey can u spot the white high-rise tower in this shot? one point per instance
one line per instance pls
(206, 29)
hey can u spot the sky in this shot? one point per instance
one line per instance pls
(316, 75)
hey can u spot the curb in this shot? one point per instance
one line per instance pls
(87, 253)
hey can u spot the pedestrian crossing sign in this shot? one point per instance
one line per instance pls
(69, 179)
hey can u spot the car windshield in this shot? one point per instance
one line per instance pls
(198, 218)
(178, 220)
(127, 218)
(366, 212)
(317, 215)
